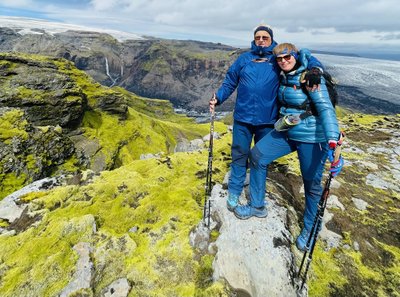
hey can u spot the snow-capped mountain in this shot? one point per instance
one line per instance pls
(35, 26)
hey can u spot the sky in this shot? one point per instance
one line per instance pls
(349, 26)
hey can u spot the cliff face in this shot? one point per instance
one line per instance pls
(184, 72)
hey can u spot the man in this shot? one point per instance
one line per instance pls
(255, 75)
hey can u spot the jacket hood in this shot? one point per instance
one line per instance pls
(262, 51)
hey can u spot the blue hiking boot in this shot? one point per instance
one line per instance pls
(232, 201)
(302, 239)
(244, 212)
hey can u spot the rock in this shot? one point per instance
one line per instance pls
(88, 151)
(356, 246)
(5, 233)
(226, 180)
(253, 255)
(150, 156)
(84, 225)
(360, 204)
(31, 150)
(396, 174)
(84, 269)
(185, 146)
(11, 211)
(61, 101)
(397, 150)
(333, 202)
(368, 165)
(118, 288)
(212, 248)
(331, 238)
(113, 103)
(200, 237)
(377, 182)
(352, 149)
(335, 184)
(134, 229)
(215, 136)
(379, 150)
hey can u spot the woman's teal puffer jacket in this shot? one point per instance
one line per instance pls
(315, 128)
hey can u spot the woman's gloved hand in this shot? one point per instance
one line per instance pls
(313, 78)
(336, 162)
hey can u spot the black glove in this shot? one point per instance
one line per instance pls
(313, 77)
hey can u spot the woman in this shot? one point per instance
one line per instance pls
(313, 134)
(255, 75)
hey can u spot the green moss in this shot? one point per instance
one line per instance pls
(71, 165)
(391, 271)
(326, 276)
(291, 161)
(214, 235)
(217, 289)
(12, 124)
(4, 223)
(158, 66)
(147, 194)
(365, 271)
(40, 259)
(10, 182)
(205, 271)
(82, 293)
(139, 134)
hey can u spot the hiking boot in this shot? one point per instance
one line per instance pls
(232, 201)
(244, 212)
(302, 239)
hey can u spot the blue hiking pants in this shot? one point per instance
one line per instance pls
(241, 141)
(312, 157)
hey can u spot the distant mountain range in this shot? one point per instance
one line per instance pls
(183, 72)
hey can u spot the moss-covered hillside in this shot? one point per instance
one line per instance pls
(55, 119)
(136, 219)
(132, 218)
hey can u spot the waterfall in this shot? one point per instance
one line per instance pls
(114, 81)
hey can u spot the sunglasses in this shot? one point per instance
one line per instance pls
(261, 37)
(286, 57)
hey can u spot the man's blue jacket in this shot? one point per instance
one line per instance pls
(257, 85)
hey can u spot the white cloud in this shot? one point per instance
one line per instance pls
(323, 21)
(16, 3)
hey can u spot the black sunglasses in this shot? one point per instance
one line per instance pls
(259, 38)
(286, 57)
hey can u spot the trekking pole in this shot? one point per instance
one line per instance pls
(316, 228)
(208, 187)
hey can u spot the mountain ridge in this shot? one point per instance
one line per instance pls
(186, 72)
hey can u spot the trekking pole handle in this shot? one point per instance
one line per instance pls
(214, 98)
(338, 148)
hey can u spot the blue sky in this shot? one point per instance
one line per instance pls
(336, 25)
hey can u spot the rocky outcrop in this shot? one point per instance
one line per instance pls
(82, 278)
(47, 96)
(28, 153)
(253, 256)
(11, 208)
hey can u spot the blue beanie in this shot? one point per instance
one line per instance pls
(265, 28)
